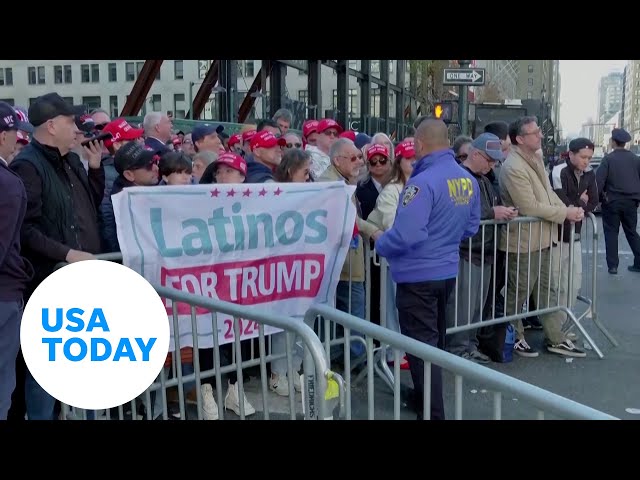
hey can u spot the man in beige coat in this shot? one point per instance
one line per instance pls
(524, 184)
(346, 165)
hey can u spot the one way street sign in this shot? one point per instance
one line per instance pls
(464, 76)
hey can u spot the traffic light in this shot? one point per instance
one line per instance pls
(443, 111)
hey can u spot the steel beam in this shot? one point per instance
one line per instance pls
(228, 79)
(256, 86)
(204, 92)
(365, 95)
(400, 97)
(277, 87)
(384, 94)
(314, 87)
(141, 88)
(342, 114)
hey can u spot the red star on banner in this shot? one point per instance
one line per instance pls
(214, 193)
(246, 193)
(231, 193)
(277, 192)
(262, 192)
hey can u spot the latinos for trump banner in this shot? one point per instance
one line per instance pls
(276, 246)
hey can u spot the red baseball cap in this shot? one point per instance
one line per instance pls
(121, 131)
(23, 137)
(327, 123)
(248, 135)
(234, 161)
(233, 139)
(406, 149)
(266, 139)
(350, 134)
(377, 149)
(309, 127)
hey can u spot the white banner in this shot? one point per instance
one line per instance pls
(279, 247)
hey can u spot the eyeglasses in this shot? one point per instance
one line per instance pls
(330, 133)
(294, 145)
(486, 157)
(374, 162)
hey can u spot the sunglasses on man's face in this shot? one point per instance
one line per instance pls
(294, 145)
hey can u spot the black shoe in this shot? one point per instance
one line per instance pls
(614, 270)
(634, 268)
(532, 323)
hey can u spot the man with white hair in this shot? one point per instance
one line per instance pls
(157, 132)
(328, 131)
(283, 118)
(346, 165)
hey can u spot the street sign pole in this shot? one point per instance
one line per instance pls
(464, 102)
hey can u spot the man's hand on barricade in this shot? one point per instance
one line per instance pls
(78, 256)
(376, 235)
(575, 214)
(93, 152)
(504, 213)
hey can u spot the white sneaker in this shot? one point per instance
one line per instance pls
(209, 405)
(279, 384)
(232, 401)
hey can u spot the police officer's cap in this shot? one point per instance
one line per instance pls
(620, 135)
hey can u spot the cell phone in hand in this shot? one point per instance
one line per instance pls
(102, 136)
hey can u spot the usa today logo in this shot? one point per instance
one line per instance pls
(94, 334)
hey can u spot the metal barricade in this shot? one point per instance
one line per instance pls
(491, 274)
(315, 380)
(498, 383)
(589, 296)
(485, 276)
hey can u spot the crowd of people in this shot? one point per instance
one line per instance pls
(418, 199)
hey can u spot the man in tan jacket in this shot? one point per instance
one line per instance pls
(524, 184)
(346, 165)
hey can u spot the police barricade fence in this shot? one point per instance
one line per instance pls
(499, 384)
(502, 286)
(546, 279)
(321, 389)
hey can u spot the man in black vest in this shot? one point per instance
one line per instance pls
(618, 180)
(61, 221)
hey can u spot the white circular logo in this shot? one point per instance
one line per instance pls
(95, 334)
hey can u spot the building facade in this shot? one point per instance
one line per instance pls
(540, 80)
(631, 104)
(106, 84)
(610, 96)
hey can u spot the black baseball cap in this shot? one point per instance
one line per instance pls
(132, 156)
(50, 106)
(578, 144)
(10, 120)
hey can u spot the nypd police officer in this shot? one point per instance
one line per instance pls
(618, 179)
(438, 208)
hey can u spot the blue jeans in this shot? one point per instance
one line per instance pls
(10, 316)
(40, 405)
(357, 308)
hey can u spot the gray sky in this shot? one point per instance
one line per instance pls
(579, 90)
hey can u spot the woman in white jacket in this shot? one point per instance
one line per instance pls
(383, 216)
